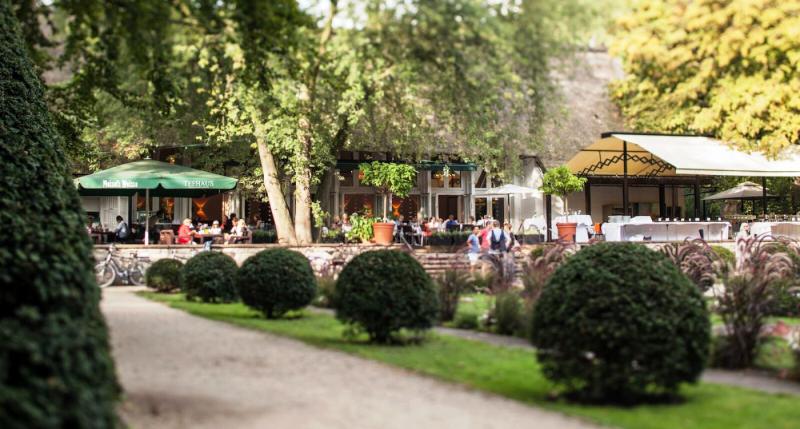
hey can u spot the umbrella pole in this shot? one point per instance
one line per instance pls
(147, 217)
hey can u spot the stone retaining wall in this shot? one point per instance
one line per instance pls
(324, 258)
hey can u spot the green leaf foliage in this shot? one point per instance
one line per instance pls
(561, 182)
(384, 291)
(275, 281)
(55, 366)
(730, 68)
(618, 322)
(210, 277)
(392, 177)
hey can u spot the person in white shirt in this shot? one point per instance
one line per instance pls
(215, 228)
(497, 239)
(122, 232)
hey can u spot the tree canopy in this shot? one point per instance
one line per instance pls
(274, 92)
(729, 68)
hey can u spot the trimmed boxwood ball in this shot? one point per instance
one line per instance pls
(384, 291)
(164, 275)
(209, 277)
(275, 281)
(618, 322)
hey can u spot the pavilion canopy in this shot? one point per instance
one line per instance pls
(156, 177)
(659, 155)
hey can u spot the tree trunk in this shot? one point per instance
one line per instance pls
(302, 181)
(277, 202)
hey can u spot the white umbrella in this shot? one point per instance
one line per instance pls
(742, 191)
(508, 190)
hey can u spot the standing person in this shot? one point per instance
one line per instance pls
(473, 248)
(122, 232)
(511, 239)
(484, 236)
(497, 239)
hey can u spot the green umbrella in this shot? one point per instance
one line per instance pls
(154, 178)
(161, 179)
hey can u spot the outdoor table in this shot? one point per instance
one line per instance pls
(776, 229)
(666, 231)
(202, 238)
(101, 237)
(582, 231)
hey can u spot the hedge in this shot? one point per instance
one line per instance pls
(55, 365)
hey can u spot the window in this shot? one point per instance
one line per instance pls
(437, 179)
(455, 179)
(347, 177)
(359, 203)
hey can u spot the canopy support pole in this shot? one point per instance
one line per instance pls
(764, 194)
(662, 201)
(147, 217)
(587, 195)
(696, 196)
(624, 178)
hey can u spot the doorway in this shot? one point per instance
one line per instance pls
(448, 205)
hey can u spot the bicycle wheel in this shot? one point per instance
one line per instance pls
(104, 274)
(136, 274)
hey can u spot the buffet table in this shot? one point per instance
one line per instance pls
(776, 229)
(666, 231)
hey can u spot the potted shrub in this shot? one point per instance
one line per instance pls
(361, 228)
(561, 182)
(390, 179)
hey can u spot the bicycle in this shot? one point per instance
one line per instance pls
(130, 269)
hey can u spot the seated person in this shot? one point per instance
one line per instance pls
(215, 228)
(185, 232)
(122, 232)
(238, 232)
(451, 224)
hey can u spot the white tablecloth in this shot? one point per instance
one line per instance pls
(776, 229)
(666, 231)
(585, 226)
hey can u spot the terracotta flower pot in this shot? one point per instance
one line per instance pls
(566, 231)
(383, 232)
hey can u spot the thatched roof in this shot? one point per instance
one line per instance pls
(588, 109)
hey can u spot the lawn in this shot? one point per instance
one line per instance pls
(513, 373)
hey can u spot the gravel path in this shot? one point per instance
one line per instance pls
(183, 371)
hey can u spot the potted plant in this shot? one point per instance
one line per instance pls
(390, 179)
(361, 229)
(561, 182)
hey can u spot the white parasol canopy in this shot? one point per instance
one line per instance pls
(742, 191)
(508, 189)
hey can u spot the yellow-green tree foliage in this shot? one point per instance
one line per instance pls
(730, 68)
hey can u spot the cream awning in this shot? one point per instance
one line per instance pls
(658, 155)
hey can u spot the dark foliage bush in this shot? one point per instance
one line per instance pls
(275, 281)
(385, 291)
(455, 238)
(164, 275)
(619, 322)
(209, 277)
(508, 313)
(264, 237)
(55, 366)
(466, 320)
(450, 285)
